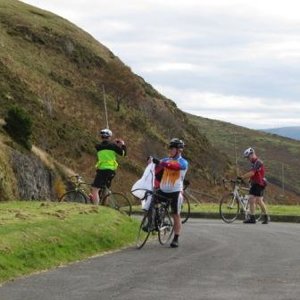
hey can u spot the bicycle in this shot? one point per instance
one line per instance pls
(156, 219)
(108, 198)
(231, 203)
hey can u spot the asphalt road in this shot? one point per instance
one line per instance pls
(214, 261)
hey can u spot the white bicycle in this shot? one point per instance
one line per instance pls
(236, 203)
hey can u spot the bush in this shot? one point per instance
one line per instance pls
(19, 126)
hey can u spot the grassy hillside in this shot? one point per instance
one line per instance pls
(281, 155)
(56, 72)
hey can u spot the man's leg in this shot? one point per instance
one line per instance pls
(176, 218)
(252, 202)
(261, 203)
(177, 230)
(95, 193)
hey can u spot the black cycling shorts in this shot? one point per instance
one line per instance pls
(103, 178)
(174, 200)
(257, 190)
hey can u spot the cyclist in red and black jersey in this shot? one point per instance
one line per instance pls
(258, 183)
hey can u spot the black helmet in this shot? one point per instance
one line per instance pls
(176, 143)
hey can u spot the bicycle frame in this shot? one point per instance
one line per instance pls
(242, 199)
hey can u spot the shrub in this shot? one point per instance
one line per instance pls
(19, 126)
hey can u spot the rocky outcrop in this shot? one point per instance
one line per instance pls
(35, 181)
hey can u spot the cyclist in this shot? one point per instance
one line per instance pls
(107, 163)
(258, 183)
(170, 172)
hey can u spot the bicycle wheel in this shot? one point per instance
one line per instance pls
(119, 202)
(185, 209)
(165, 226)
(73, 196)
(229, 208)
(144, 232)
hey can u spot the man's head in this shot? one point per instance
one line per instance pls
(249, 153)
(176, 147)
(105, 134)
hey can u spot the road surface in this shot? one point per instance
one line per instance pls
(214, 261)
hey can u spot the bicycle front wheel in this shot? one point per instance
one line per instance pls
(144, 231)
(119, 202)
(73, 196)
(165, 228)
(185, 209)
(229, 208)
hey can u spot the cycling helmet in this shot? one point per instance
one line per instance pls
(176, 143)
(248, 152)
(105, 133)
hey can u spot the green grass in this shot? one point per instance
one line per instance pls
(280, 210)
(40, 235)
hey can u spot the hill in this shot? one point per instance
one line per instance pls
(56, 72)
(290, 132)
(281, 155)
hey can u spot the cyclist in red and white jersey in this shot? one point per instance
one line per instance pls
(258, 183)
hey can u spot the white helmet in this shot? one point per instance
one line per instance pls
(105, 133)
(248, 152)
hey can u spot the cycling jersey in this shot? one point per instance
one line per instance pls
(106, 153)
(258, 168)
(174, 170)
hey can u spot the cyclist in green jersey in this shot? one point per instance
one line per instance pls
(107, 164)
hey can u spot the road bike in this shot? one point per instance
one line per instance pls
(107, 197)
(236, 203)
(156, 219)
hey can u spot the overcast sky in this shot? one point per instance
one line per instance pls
(232, 60)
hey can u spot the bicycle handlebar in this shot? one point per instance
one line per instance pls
(149, 192)
(79, 180)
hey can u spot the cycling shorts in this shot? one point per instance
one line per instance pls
(103, 178)
(175, 200)
(257, 190)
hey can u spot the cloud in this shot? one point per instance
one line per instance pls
(259, 113)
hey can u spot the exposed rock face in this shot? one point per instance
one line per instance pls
(34, 179)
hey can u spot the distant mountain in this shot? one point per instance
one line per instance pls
(290, 132)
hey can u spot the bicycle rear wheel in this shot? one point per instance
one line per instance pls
(185, 209)
(144, 231)
(229, 208)
(119, 202)
(165, 228)
(73, 196)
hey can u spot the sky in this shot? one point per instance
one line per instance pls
(233, 60)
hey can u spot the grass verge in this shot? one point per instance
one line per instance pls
(36, 236)
(280, 210)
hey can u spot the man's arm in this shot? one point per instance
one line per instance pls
(175, 165)
(120, 148)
